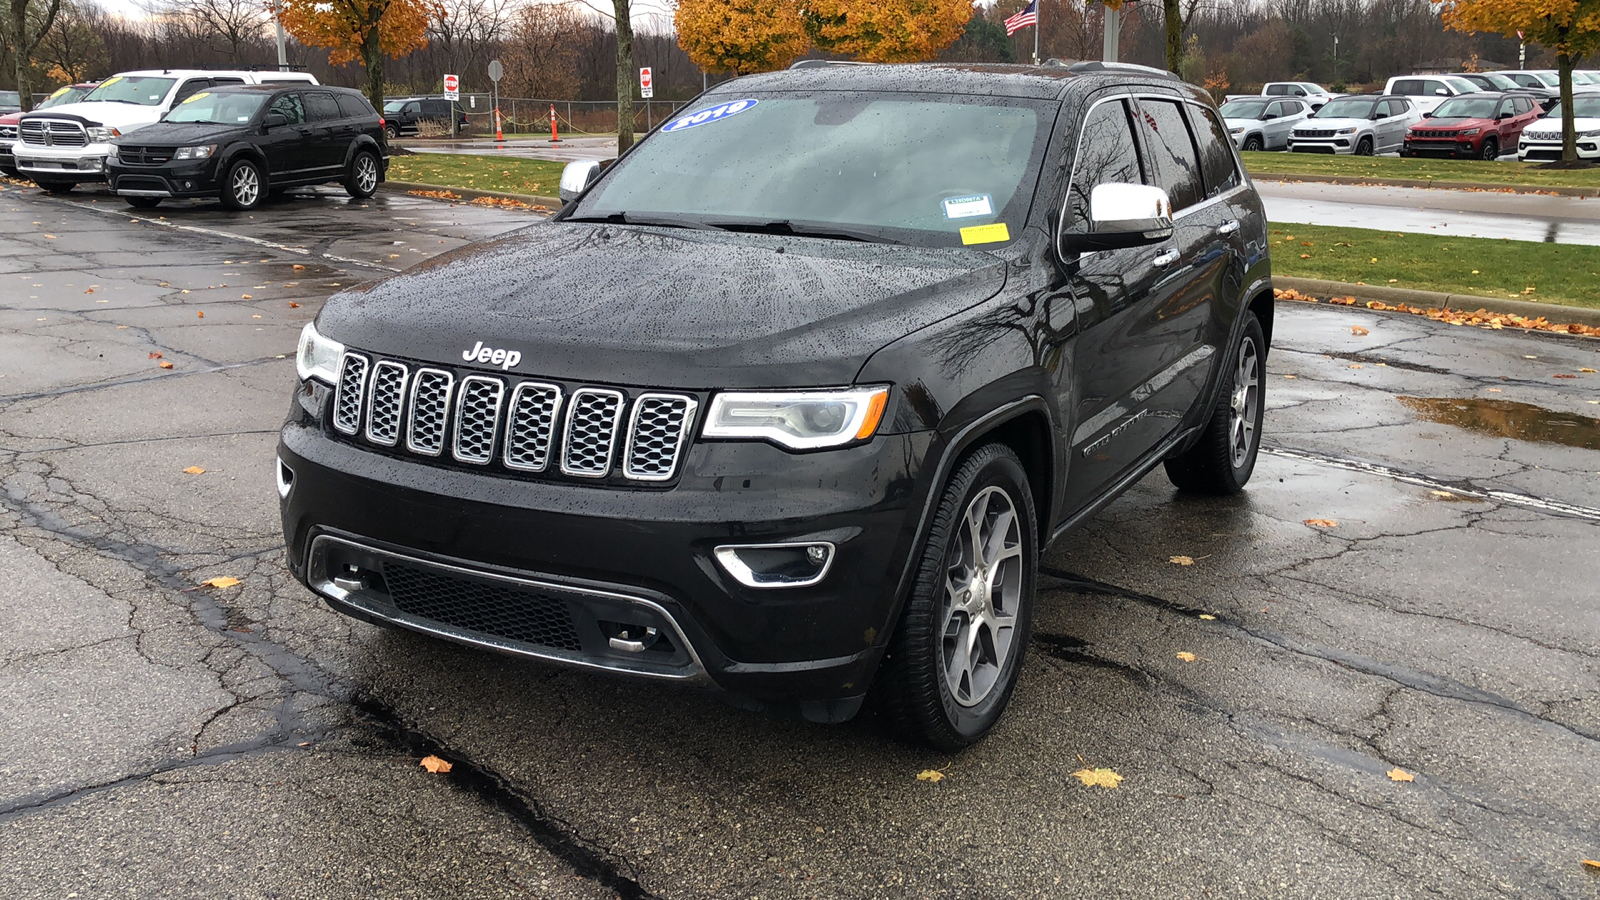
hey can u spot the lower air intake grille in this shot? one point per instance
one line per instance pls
(502, 611)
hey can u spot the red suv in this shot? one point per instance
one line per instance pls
(1472, 126)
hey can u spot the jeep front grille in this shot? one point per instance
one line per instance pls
(521, 425)
(53, 132)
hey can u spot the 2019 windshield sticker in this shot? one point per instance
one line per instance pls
(714, 114)
(968, 207)
(985, 234)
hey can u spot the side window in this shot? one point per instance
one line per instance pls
(1277, 90)
(1524, 105)
(288, 105)
(189, 89)
(1216, 151)
(352, 107)
(320, 106)
(412, 108)
(1106, 154)
(222, 81)
(1275, 109)
(1176, 160)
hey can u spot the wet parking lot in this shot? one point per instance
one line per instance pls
(1406, 591)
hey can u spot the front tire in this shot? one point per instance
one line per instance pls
(1252, 144)
(361, 181)
(142, 202)
(955, 656)
(1491, 149)
(1221, 461)
(245, 187)
(1364, 147)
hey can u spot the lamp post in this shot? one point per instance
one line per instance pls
(1336, 57)
(277, 21)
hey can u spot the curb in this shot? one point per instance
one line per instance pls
(1428, 183)
(1426, 299)
(402, 187)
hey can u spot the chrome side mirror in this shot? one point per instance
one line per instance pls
(1123, 215)
(579, 175)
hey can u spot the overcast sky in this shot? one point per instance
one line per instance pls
(651, 14)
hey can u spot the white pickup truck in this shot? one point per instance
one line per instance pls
(1313, 94)
(67, 145)
(1428, 91)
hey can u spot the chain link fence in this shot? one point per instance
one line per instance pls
(529, 115)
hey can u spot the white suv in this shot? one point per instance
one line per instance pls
(67, 145)
(1428, 91)
(1362, 124)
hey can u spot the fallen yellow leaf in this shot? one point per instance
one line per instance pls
(1186, 656)
(435, 765)
(200, 314)
(1207, 616)
(933, 775)
(299, 268)
(244, 296)
(1098, 777)
(1181, 560)
(1322, 523)
(164, 364)
(1586, 369)
(194, 470)
(221, 581)
(1398, 774)
(1592, 863)
(1358, 331)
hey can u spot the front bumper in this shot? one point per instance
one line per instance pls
(74, 164)
(7, 159)
(1344, 143)
(616, 556)
(1550, 150)
(1446, 148)
(185, 178)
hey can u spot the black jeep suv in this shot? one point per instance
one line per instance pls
(240, 143)
(405, 116)
(789, 399)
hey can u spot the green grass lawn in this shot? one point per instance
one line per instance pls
(1443, 171)
(1565, 274)
(480, 173)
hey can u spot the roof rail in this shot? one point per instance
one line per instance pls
(828, 63)
(1093, 65)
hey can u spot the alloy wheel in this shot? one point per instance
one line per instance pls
(246, 185)
(983, 587)
(366, 174)
(1246, 402)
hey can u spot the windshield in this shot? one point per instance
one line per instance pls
(393, 106)
(1243, 109)
(1548, 79)
(1501, 82)
(1463, 86)
(63, 96)
(907, 168)
(1585, 78)
(142, 90)
(1582, 108)
(1346, 108)
(10, 98)
(218, 108)
(1467, 108)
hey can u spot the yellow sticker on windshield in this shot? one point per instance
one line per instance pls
(59, 92)
(986, 234)
(110, 81)
(198, 96)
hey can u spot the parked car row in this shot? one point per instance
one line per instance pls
(233, 135)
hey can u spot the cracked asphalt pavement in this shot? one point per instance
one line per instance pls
(168, 740)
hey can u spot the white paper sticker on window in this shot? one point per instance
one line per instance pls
(968, 207)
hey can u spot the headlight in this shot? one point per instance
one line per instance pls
(195, 152)
(1470, 132)
(799, 420)
(111, 152)
(1235, 130)
(1346, 131)
(1591, 133)
(99, 134)
(317, 357)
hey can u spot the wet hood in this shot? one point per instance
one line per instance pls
(657, 307)
(1550, 129)
(180, 134)
(122, 116)
(1454, 122)
(1315, 124)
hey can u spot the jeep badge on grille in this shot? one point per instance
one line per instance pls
(505, 359)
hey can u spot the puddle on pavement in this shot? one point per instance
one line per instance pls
(1508, 419)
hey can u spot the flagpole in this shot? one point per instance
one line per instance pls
(1037, 10)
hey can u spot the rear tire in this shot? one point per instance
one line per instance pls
(245, 187)
(1252, 144)
(392, 130)
(142, 202)
(1491, 149)
(361, 181)
(1221, 461)
(10, 172)
(56, 187)
(1364, 147)
(954, 658)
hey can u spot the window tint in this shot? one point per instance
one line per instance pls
(1106, 154)
(1278, 90)
(1524, 105)
(320, 106)
(1176, 160)
(352, 107)
(227, 81)
(1276, 109)
(1216, 151)
(1408, 86)
(189, 89)
(288, 106)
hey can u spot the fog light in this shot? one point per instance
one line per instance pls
(797, 564)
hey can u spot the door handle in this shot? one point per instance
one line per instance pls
(1166, 259)
(1229, 227)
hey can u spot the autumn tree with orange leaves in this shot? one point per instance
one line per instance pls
(1569, 27)
(741, 36)
(886, 30)
(367, 30)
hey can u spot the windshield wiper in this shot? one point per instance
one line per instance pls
(622, 218)
(786, 226)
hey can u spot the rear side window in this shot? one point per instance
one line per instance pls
(352, 107)
(1107, 154)
(190, 88)
(227, 81)
(1177, 162)
(1278, 90)
(320, 106)
(1523, 105)
(290, 108)
(1216, 152)
(1408, 86)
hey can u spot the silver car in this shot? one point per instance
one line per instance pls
(1365, 125)
(1262, 123)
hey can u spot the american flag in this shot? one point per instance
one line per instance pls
(1029, 15)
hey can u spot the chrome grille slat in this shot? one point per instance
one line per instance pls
(656, 433)
(385, 402)
(590, 437)
(531, 426)
(477, 415)
(61, 133)
(428, 411)
(352, 387)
